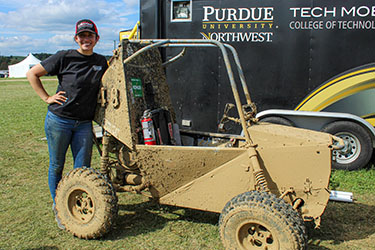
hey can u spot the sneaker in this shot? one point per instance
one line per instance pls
(59, 225)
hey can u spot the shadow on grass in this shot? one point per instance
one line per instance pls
(343, 222)
(149, 216)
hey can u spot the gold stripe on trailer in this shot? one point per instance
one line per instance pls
(370, 118)
(337, 89)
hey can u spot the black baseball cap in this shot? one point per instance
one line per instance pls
(86, 25)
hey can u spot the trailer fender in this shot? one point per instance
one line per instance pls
(357, 132)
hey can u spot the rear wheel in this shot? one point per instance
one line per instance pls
(259, 220)
(278, 120)
(86, 203)
(358, 145)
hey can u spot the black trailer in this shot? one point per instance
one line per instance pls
(297, 55)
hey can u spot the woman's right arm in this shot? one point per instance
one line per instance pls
(33, 75)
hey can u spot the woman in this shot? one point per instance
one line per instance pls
(71, 109)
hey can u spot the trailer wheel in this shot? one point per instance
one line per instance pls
(358, 145)
(278, 120)
(86, 203)
(259, 220)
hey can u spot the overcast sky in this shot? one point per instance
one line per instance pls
(46, 26)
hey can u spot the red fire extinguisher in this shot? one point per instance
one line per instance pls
(148, 128)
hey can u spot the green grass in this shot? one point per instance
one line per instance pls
(27, 221)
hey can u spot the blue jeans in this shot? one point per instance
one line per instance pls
(62, 132)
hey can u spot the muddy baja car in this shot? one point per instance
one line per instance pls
(265, 182)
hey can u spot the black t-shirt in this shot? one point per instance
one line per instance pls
(79, 76)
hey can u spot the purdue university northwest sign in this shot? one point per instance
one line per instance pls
(238, 24)
(257, 24)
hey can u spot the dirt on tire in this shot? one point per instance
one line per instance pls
(259, 220)
(86, 203)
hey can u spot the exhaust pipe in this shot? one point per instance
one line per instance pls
(341, 196)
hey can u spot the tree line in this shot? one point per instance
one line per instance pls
(5, 61)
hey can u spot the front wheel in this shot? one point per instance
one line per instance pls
(358, 149)
(86, 203)
(259, 220)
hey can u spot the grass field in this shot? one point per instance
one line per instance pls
(27, 221)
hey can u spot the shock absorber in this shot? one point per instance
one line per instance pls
(260, 179)
(104, 158)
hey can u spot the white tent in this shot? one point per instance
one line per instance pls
(20, 69)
